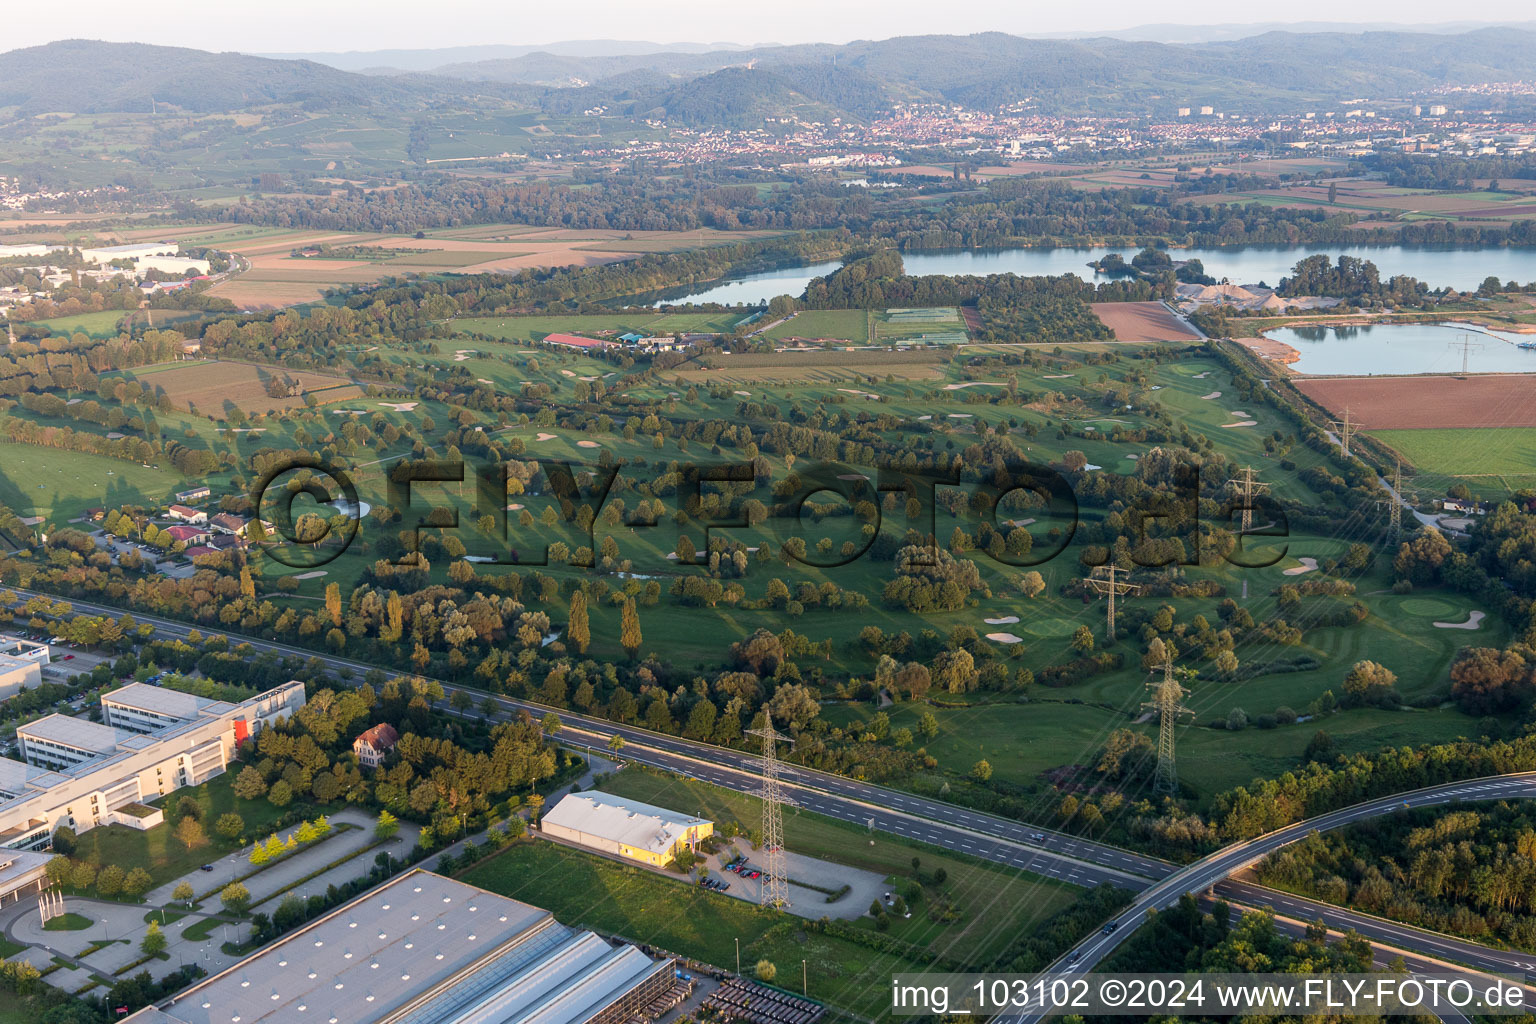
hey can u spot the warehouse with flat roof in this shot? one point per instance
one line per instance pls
(626, 828)
(424, 949)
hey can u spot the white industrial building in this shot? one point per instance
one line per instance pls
(146, 256)
(17, 673)
(626, 828)
(83, 774)
(424, 949)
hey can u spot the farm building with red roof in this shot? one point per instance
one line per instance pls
(576, 341)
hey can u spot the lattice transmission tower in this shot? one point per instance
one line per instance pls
(1246, 487)
(1111, 586)
(775, 875)
(1467, 347)
(1168, 703)
(1395, 525)
(1346, 429)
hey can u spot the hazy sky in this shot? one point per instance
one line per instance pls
(305, 25)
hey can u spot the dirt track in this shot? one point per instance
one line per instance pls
(1409, 403)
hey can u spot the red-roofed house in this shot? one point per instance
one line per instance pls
(187, 514)
(371, 746)
(200, 550)
(576, 341)
(186, 534)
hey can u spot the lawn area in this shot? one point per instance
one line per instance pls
(994, 903)
(96, 325)
(158, 851)
(1493, 463)
(61, 484)
(70, 922)
(587, 891)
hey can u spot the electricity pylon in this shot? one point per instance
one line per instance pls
(1247, 487)
(775, 876)
(1395, 524)
(1167, 701)
(1346, 430)
(1467, 345)
(1111, 586)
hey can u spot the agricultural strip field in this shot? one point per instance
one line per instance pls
(96, 325)
(1143, 321)
(214, 387)
(1418, 403)
(1493, 463)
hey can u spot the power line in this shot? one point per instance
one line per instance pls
(1111, 586)
(775, 892)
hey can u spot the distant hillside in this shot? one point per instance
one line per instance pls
(1274, 70)
(93, 77)
(429, 60)
(1270, 72)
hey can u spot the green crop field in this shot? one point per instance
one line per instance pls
(850, 325)
(1492, 462)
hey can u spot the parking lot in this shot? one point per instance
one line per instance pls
(864, 887)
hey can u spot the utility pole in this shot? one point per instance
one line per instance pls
(1111, 585)
(1167, 702)
(1467, 346)
(1346, 429)
(1246, 486)
(775, 892)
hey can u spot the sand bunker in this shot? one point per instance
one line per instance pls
(1133, 457)
(1017, 522)
(853, 476)
(482, 380)
(1057, 376)
(744, 394)
(1213, 395)
(1474, 620)
(587, 444)
(672, 555)
(1307, 565)
(973, 384)
(1202, 375)
(1240, 423)
(544, 437)
(568, 373)
(400, 406)
(1006, 620)
(1239, 414)
(1089, 465)
(960, 416)
(925, 417)
(115, 436)
(316, 574)
(1005, 638)
(861, 394)
(514, 507)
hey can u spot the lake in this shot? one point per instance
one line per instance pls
(1395, 349)
(1459, 268)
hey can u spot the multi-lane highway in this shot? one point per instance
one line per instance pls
(1158, 883)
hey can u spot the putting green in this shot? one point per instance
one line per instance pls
(1048, 625)
(1433, 607)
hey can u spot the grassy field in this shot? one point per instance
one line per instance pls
(60, 485)
(96, 325)
(850, 325)
(588, 891)
(995, 903)
(1493, 462)
(157, 850)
